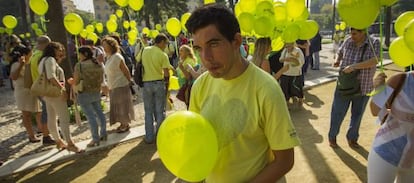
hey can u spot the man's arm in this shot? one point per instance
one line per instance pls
(361, 65)
(276, 169)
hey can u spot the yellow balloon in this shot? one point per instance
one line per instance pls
(73, 23)
(132, 34)
(184, 19)
(263, 26)
(119, 13)
(92, 36)
(90, 28)
(280, 11)
(132, 41)
(237, 9)
(111, 25)
(34, 26)
(291, 33)
(154, 33)
(400, 53)
(112, 17)
(136, 5)
(342, 26)
(173, 26)
(122, 3)
(248, 6)
(28, 34)
(308, 29)
(265, 8)
(358, 14)
(39, 7)
(38, 32)
(126, 24)
(173, 83)
(409, 35)
(99, 27)
(187, 145)
(133, 24)
(10, 21)
(83, 33)
(146, 31)
(209, 1)
(277, 44)
(387, 2)
(402, 21)
(158, 27)
(304, 16)
(337, 27)
(246, 21)
(295, 8)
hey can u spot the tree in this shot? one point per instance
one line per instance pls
(402, 6)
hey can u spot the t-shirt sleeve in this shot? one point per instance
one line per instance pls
(165, 62)
(277, 124)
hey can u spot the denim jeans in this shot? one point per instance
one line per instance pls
(340, 107)
(316, 60)
(154, 95)
(91, 106)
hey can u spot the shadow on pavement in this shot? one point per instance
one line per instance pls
(356, 166)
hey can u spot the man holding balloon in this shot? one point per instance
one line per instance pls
(245, 105)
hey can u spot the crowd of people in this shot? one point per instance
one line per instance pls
(255, 133)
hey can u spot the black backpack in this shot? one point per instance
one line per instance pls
(139, 71)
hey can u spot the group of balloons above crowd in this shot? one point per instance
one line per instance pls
(283, 22)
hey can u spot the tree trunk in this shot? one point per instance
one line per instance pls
(23, 9)
(57, 32)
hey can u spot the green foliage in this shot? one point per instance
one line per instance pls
(82, 114)
(325, 22)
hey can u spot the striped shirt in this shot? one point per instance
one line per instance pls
(351, 53)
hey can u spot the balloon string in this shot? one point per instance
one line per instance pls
(42, 23)
(381, 42)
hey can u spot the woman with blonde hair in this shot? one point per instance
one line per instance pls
(187, 57)
(119, 80)
(262, 48)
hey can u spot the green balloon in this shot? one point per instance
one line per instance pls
(10, 21)
(409, 35)
(402, 21)
(291, 33)
(246, 21)
(400, 53)
(358, 14)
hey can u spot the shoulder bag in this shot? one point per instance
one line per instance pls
(43, 87)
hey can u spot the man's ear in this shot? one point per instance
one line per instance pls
(237, 40)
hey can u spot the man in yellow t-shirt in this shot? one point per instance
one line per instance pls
(244, 104)
(156, 76)
(41, 43)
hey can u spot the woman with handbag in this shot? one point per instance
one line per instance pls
(391, 158)
(119, 80)
(88, 77)
(25, 101)
(53, 54)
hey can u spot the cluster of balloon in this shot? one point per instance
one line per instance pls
(282, 22)
(26, 35)
(402, 49)
(187, 145)
(39, 7)
(10, 22)
(341, 26)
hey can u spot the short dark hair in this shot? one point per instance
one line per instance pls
(216, 14)
(160, 37)
(18, 51)
(359, 30)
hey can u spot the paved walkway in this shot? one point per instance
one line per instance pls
(21, 155)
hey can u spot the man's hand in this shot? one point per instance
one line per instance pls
(348, 69)
(336, 64)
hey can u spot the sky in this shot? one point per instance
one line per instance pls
(85, 5)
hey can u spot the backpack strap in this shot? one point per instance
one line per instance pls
(394, 94)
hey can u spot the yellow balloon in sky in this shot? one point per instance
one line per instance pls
(136, 5)
(39, 7)
(10, 21)
(73, 23)
(173, 26)
(209, 1)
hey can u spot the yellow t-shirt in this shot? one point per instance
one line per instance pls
(250, 117)
(154, 61)
(34, 62)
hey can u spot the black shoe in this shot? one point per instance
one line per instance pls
(353, 144)
(48, 141)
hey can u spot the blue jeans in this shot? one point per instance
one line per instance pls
(340, 107)
(316, 60)
(91, 106)
(155, 96)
